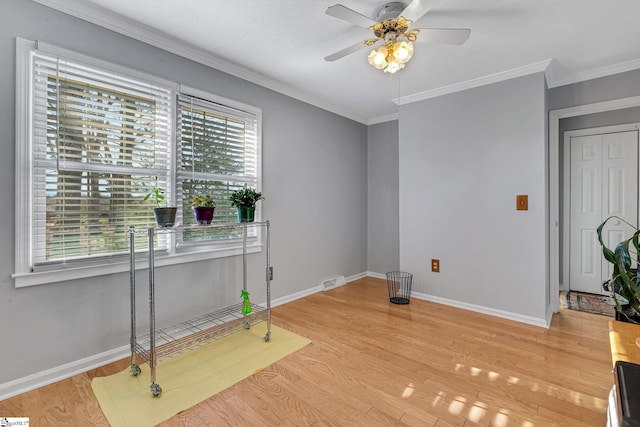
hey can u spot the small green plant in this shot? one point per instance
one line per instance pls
(203, 201)
(157, 194)
(245, 198)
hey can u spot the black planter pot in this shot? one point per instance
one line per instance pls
(629, 319)
(629, 315)
(165, 217)
(203, 214)
(246, 214)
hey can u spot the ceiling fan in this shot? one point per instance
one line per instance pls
(393, 27)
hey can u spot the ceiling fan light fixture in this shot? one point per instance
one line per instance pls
(392, 56)
(395, 31)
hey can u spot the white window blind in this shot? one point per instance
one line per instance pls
(218, 153)
(100, 143)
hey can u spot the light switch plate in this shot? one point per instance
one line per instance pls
(435, 265)
(522, 202)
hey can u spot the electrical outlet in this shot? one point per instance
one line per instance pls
(435, 265)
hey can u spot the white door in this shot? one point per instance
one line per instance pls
(604, 182)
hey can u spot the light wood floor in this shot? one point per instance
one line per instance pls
(374, 363)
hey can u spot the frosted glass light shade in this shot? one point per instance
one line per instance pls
(403, 51)
(377, 58)
(393, 67)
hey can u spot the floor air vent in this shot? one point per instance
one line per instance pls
(333, 283)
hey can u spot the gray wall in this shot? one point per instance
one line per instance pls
(382, 243)
(463, 159)
(314, 180)
(606, 118)
(617, 86)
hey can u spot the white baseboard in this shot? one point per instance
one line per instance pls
(544, 323)
(296, 295)
(357, 276)
(549, 317)
(50, 376)
(377, 275)
(301, 294)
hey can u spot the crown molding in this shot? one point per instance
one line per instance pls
(525, 70)
(609, 70)
(120, 24)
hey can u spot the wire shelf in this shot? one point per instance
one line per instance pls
(197, 332)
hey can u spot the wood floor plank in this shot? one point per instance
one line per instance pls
(82, 384)
(207, 411)
(376, 363)
(11, 408)
(340, 411)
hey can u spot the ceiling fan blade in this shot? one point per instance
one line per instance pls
(417, 9)
(342, 12)
(444, 35)
(346, 51)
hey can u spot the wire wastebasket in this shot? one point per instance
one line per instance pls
(399, 284)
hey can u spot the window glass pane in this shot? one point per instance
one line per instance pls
(212, 143)
(92, 124)
(89, 214)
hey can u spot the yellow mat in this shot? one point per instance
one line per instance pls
(192, 377)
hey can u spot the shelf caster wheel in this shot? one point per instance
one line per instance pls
(247, 325)
(267, 337)
(156, 390)
(135, 370)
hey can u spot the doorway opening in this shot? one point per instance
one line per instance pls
(557, 280)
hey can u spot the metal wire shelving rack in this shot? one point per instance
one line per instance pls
(160, 344)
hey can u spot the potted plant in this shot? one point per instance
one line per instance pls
(624, 284)
(165, 216)
(203, 207)
(245, 201)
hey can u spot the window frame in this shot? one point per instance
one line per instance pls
(24, 274)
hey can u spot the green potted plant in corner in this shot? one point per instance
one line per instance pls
(165, 216)
(624, 283)
(245, 201)
(203, 207)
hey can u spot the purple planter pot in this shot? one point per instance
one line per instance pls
(203, 214)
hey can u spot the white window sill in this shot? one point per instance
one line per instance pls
(65, 274)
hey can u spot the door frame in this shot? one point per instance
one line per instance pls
(566, 185)
(554, 183)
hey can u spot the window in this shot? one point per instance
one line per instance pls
(218, 154)
(93, 139)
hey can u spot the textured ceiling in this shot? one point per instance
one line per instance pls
(285, 41)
